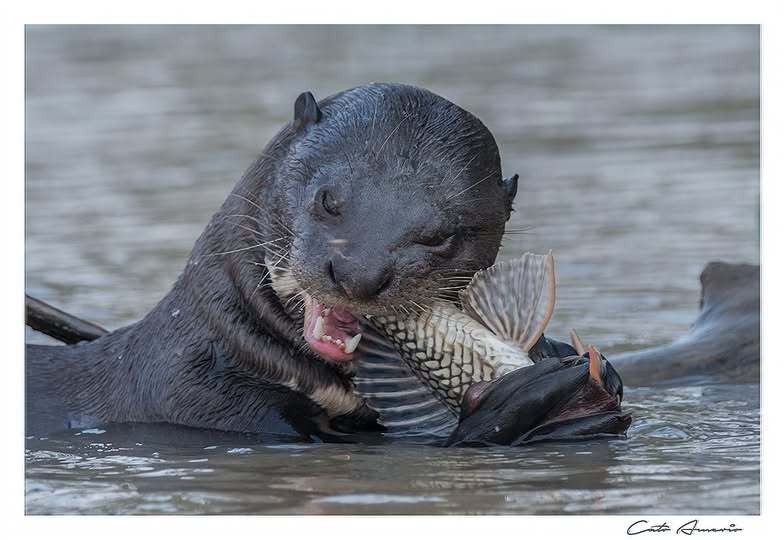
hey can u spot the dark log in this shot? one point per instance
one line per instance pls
(58, 324)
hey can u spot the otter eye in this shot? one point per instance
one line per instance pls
(443, 240)
(326, 201)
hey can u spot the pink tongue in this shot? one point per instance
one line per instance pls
(340, 325)
(342, 315)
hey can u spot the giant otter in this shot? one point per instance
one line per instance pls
(724, 340)
(372, 200)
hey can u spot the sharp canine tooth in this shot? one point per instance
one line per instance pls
(318, 330)
(352, 343)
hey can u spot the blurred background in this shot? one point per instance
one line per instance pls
(637, 147)
(638, 154)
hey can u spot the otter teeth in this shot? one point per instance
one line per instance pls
(318, 330)
(352, 343)
(347, 347)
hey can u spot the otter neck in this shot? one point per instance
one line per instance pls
(220, 315)
(229, 262)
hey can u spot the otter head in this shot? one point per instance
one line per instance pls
(394, 198)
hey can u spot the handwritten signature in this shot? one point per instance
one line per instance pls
(688, 528)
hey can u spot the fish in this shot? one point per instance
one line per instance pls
(505, 310)
(481, 370)
(556, 399)
(497, 381)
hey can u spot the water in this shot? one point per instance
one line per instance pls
(675, 460)
(638, 150)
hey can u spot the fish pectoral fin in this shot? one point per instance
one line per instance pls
(406, 406)
(515, 299)
(577, 343)
(595, 365)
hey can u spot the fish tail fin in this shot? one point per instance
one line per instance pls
(515, 299)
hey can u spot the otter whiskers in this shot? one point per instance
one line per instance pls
(455, 177)
(472, 186)
(255, 246)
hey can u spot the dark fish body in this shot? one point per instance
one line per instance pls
(556, 399)
(489, 364)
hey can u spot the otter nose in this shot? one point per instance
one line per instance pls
(358, 283)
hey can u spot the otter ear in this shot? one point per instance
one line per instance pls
(510, 188)
(306, 110)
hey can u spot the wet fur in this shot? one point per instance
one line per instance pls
(400, 162)
(723, 342)
(222, 349)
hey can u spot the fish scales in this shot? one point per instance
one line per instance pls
(503, 312)
(469, 352)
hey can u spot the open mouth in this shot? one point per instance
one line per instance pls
(332, 332)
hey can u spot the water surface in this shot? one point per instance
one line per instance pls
(638, 150)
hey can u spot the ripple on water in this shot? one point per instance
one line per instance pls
(671, 160)
(377, 498)
(676, 459)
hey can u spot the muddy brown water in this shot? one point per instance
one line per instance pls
(638, 150)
